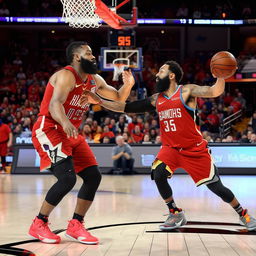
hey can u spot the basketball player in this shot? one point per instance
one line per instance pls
(182, 143)
(61, 148)
(6, 137)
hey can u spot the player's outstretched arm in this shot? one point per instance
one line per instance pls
(207, 91)
(138, 106)
(108, 92)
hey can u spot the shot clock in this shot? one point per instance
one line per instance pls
(122, 38)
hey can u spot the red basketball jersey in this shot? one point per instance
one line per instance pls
(73, 109)
(179, 124)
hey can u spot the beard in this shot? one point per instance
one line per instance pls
(162, 84)
(88, 67)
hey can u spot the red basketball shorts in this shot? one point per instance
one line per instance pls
(196, 161)
(51, 143)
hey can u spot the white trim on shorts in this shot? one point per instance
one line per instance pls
(43, 139)
(212, 173)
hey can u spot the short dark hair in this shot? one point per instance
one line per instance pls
(72, 48)
(176, 69)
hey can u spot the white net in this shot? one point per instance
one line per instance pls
(118, 69)
(119, 64)
(80, 13)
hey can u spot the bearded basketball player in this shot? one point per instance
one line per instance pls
(60, 147)
(182, 143)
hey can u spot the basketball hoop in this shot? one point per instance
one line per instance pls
(119, 67)
(90, 13)
(80, 13)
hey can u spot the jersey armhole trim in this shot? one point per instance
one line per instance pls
(183, 102)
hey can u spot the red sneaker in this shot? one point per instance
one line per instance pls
(76, 231)
(40, 230)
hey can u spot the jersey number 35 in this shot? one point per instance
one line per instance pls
(169, 125)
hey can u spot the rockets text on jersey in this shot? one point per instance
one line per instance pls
(73, 110)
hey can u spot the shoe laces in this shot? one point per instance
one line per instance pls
(173, 211)
(80, 226)
(44, 225)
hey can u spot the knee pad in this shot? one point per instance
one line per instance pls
(220, 190)
(159, 170)
(91, 180)
(160, 173)
(64, 172)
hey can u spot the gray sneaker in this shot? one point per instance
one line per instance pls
(174, 220)
(248, 221)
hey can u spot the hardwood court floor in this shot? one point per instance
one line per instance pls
(130, 199)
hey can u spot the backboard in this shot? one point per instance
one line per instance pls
(131, 58)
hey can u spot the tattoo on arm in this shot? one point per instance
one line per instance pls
(207, 91)
(201, 91)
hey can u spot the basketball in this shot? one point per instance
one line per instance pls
(223, 64)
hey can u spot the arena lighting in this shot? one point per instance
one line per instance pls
(238, 76)
(218, 22)
(140, 21)
(151, 21)
(60, 20)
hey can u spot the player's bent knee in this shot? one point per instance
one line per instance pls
(64, 172)
(220, 190)
(159, 172)
(160, 175)
(92, 178)
(91, 173)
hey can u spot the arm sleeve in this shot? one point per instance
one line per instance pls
(139, 106)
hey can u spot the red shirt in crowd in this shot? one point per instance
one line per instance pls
(4, 133)
(107, 134)
(33, 93)
(137, 137)
(213, 119)
(132, 125)
(228, 99)
(236, 105)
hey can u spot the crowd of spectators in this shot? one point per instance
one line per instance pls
(248, 135)
(147, 9)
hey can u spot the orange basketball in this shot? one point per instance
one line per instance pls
(223, 64)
